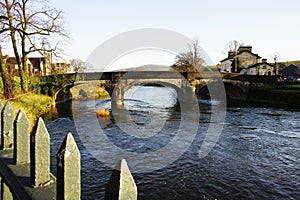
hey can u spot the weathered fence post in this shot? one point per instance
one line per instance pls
(7, 121)
(35, 149)
(68, 170)
(121, 184)
(40, 155)
(21, 139)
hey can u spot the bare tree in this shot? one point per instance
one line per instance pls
(275, 57)
(78, 65)
(8, 25)
(34, 22)
(232, 45)
(191, 60)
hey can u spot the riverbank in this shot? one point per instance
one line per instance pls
(286, 96)
(34, 105)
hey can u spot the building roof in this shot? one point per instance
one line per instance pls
(261, 63)
(290, 70)
(240, 52)
(254, 54)
(34, 61)
(228, 58)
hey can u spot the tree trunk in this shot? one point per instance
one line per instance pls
(24, 74)
(6, 78)
(15, 47)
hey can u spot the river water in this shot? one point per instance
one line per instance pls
(257, 155)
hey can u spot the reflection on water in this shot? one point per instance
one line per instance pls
(256, 157)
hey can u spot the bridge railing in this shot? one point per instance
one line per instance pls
(25, 164)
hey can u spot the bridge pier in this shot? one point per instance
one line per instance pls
(117, 97)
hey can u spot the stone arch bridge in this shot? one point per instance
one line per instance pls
(186, 84)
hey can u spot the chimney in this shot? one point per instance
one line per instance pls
(231, 53)
(264, 60)
(245, 48)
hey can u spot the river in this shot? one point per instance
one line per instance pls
(257, 155)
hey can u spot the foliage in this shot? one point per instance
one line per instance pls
(283, 88)
(283, 95)
(16, 81)
(1, 85)
(5, 77)
(48, 85)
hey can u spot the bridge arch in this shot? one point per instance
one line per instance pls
(62, 94)
(233, 90)
(181, 86)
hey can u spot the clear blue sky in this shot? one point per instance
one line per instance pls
(270, 26)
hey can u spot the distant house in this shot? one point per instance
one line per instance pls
(263, 68)
(291, 72)
(243, 58)
(12, 66)
(62, 68)
(38, 66)
(244, 61)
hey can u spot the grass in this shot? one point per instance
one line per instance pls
(281, 87)
(295, 62)
(34, 105)
(287, 95)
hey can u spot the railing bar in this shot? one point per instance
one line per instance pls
(12, 182)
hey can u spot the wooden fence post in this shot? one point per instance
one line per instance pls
(121, 184)
(68, 170)
(21, 139)
(40, 155)
(7, 121)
